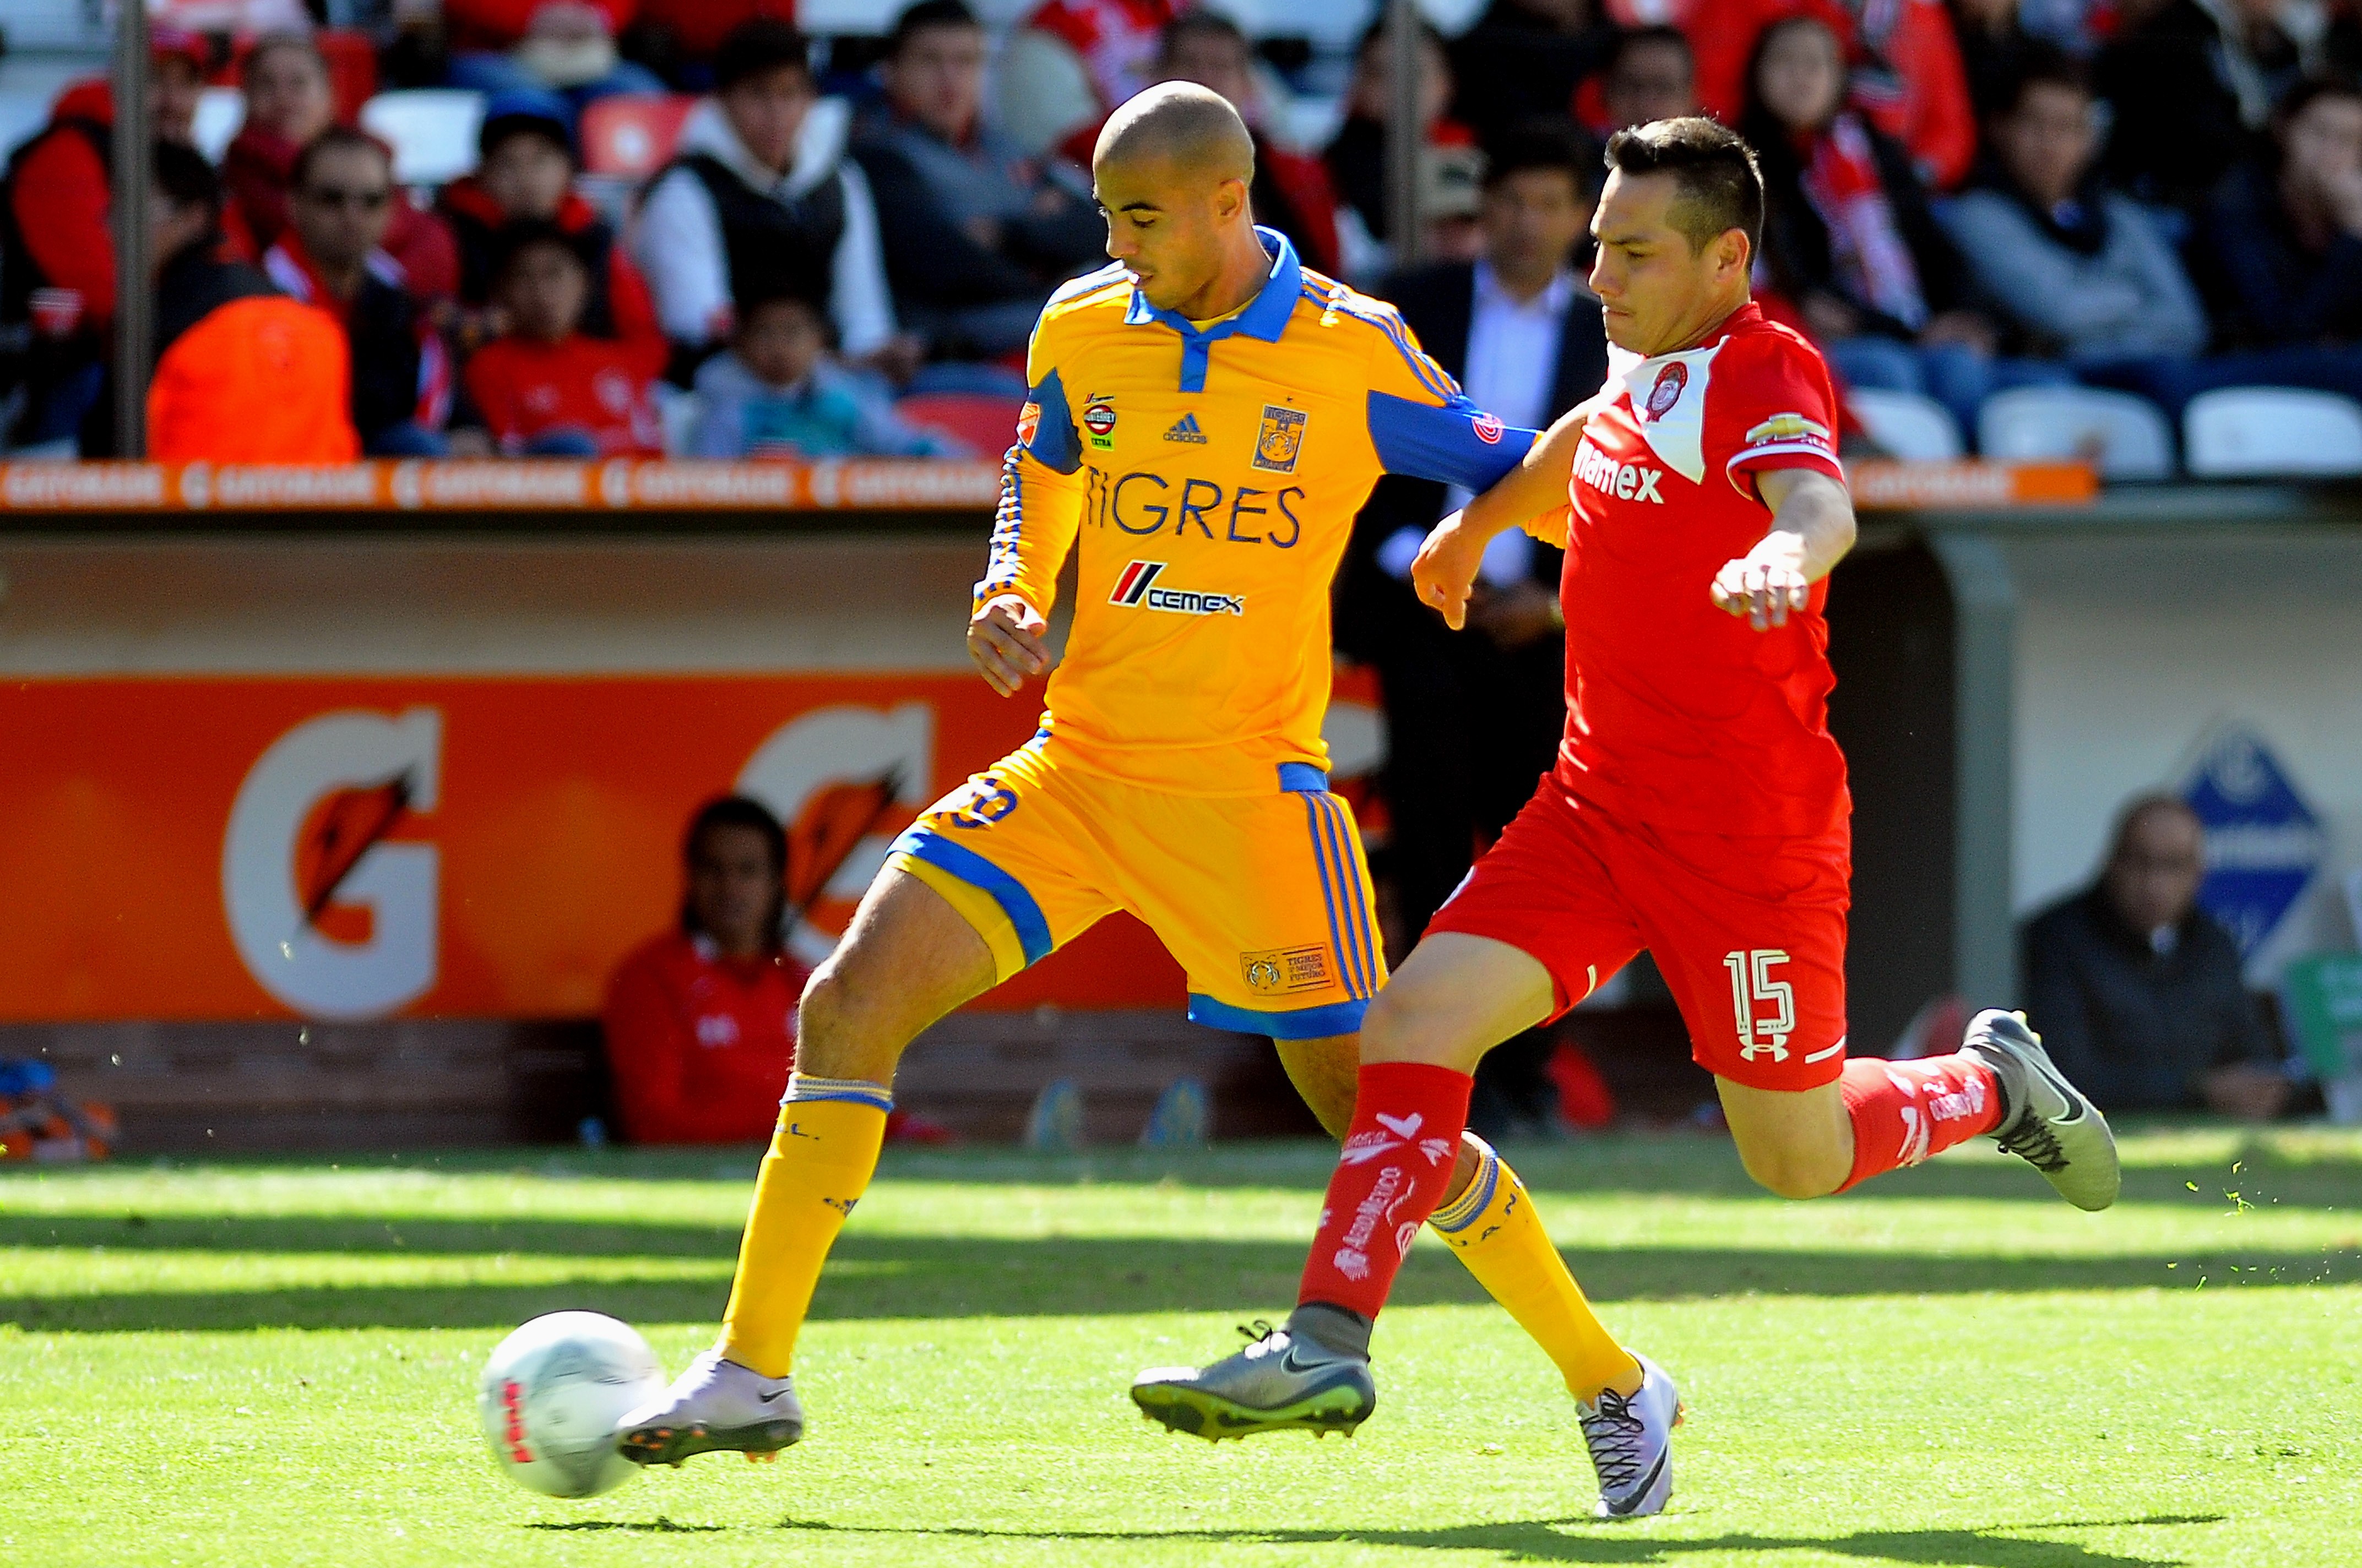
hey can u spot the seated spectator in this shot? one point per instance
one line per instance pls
(700, 1023)
(1651, 75)
(1994, 42)
(2192, 85)
(2284, 230)
(568, 46)
(1849, 235)
(331, 256)
(975, 232)
(1291, 191)
(243, 373)
(545, 388)
(1524, 59)
(746, 208)
(2137, 992)
(2077, 270)
(288, 101)
(56, 243)
(777, 394)
(526, 175)
(1070, 63)
(1357, 155)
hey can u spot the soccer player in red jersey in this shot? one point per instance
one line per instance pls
(1698, 810)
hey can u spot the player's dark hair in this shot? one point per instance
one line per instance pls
(185, 178)
(1720, 186)
(924, 15)
(336, 139)
(755, 48)
(2044, 65)
(1657, 34)
(739, 811)
(2309, 90)
(1552, 143)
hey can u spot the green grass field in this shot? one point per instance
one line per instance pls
(274, 1363)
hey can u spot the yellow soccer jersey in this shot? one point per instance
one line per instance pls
(1211, 477)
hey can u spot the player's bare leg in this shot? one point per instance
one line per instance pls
(1880, 1115)
(907, 959)
(1456, 998)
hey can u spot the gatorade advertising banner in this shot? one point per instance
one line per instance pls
(349, 848)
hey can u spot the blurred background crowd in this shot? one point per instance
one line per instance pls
(692, 227)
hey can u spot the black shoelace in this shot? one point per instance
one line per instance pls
(2033, 1140)
(1618, 1439)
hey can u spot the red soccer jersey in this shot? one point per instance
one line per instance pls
(587, 384)
(1679, 715)
(700, 1046)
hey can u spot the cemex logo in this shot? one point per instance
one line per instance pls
(1136, 586)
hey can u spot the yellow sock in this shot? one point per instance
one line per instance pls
(1493, 1226)
(819, 1164)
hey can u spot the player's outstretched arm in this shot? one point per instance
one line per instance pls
(1812, 529)
(1445, 572)
(1006, 637)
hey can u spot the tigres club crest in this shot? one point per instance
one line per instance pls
(1280, 441)
(1668, 390)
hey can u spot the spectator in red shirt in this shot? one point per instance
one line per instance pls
(501, 46)
(546, 389)
(527, 175)
(288, 101)
(701, 1021)
(56, 243)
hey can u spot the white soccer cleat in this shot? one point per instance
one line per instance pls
(2046, 1120)
(1631, 1443)
(714, 1405)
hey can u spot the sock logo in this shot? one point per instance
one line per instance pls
(1136, 587)
(1354, 1254)
(1353, 1264)
(1364, 1147)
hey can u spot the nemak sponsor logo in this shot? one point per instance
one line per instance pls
(1137, 587)
(1624, 481)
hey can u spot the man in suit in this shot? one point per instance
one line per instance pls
(1473, 717)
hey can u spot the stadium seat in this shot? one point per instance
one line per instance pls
(1907, 425)
(2240, 430)
(220, 112)
(630, 135)
(2127, 436)
(986, 424)
(432, 131)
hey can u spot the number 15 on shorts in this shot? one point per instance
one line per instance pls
(1765, 1008)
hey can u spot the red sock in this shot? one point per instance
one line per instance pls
(1904, 1110)
(1396, 1163)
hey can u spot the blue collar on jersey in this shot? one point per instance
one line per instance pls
(1265, 317)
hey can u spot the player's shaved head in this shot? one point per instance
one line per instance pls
(1191, 129)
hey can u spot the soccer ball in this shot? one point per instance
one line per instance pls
(550, 1398)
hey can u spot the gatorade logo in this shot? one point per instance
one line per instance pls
(331, 915)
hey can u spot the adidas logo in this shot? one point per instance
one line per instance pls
(1185, 429)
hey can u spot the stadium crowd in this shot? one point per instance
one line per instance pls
(2156, 196)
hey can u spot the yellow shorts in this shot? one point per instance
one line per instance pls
(1262, 899)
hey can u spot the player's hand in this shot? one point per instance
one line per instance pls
(1765, 584)
(1005, 637)
(1446, 569)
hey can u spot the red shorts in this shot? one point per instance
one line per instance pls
(1749, 932)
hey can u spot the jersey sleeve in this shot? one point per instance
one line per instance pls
(1780, 413)
(1421, 424)
(1041, 490)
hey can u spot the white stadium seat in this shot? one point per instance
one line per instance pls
(2238, 431)
(2127, 436)
(431, 129)
(1907, 425)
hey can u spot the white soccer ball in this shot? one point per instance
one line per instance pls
(551, 1396)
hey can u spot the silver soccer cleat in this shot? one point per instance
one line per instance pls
(1281, 1380)
(2047, 1120)
(713, 1406)
(1631, 1443)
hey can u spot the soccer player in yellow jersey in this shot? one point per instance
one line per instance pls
(1205, 418)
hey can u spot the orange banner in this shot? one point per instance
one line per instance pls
(1881, 484)
(361, 848)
